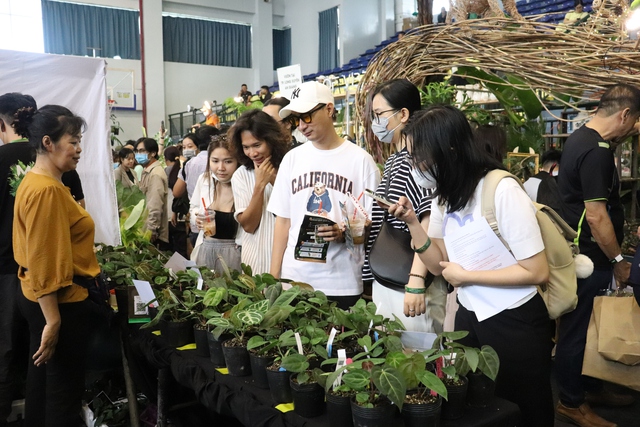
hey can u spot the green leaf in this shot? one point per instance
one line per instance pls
(391, 383)
(160, 280)
(432, 382)
(250, 317)
(358, 380)
(261, 306)
(471, 356)
(489, 362)
(256, 341)
(214, 296)
(295, 362)
(396, 358)
(273, 292)
(220, 322)
(287, 296)
(528, 99)
(134, 216)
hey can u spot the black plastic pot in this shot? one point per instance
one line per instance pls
(422, 414)
(237, 360)
(378, 416)
(339, 410)
(258, 369)
(481, 390)
(177, 334)
(308, 399)
(215, 350)
(453, 408)
(202, 341)
(279, 386)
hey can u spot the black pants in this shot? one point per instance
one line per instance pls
(54, 389)
(13, 328)
(178, 238)
(572, 338)
(521, 338)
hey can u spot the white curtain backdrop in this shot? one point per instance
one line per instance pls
(80, 85)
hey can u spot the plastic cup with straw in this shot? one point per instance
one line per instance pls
(210, 224)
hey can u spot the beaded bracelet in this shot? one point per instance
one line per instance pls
(417, 275)
(423, 247)
(415, 290)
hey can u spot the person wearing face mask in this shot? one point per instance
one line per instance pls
(195, 145)
(154, 185)
(393, 103)
(124, 172)
(543, 187)
(212, 210)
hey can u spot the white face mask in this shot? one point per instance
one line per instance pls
(423, 178)
(380, 128)
(188, 153)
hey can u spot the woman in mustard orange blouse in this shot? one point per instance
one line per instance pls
(53, 242)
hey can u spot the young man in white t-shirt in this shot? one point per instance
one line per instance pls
(342, 168)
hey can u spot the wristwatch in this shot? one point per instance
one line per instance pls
(617, 259)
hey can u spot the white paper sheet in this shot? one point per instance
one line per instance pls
(178, 263)
(476, 247)
(145, 292)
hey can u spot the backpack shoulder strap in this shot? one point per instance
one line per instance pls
(488, 199)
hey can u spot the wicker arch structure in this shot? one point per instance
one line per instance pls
(549, 62)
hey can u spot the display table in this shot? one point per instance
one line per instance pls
(239, 398)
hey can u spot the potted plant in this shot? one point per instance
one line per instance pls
(458, 360)
(480, 366)
(307, 394)
(264, 347)
(175, 318)
(242, 318)
(376, 384)
(422, 404)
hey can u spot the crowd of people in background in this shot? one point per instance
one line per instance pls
(242, 194)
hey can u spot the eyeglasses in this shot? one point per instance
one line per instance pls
(141, 151)
(305, 117)
(375, 117)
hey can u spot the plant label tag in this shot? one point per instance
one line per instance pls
(299, 343)
(342, 361)
(332, 336)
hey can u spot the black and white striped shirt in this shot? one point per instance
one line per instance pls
(402, 183)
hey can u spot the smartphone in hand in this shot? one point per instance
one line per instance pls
(384, 202)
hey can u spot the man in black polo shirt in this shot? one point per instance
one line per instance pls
(15, 148)
(589, 185)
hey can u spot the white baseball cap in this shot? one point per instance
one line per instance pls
(305, 97)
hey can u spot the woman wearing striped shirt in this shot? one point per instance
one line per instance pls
(393, 103)
(260, 144)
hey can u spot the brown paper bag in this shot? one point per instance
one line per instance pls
(595, 365)
(618, 329)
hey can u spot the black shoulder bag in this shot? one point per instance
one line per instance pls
(391, 256)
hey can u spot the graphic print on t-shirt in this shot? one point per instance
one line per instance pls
(319, 203)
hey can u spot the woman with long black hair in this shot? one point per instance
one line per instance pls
(444, 156)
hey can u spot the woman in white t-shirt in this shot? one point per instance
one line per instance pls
(259, 144)
(499, 305)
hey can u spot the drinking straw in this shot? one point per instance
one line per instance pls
(320, 206)
(204, 205)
